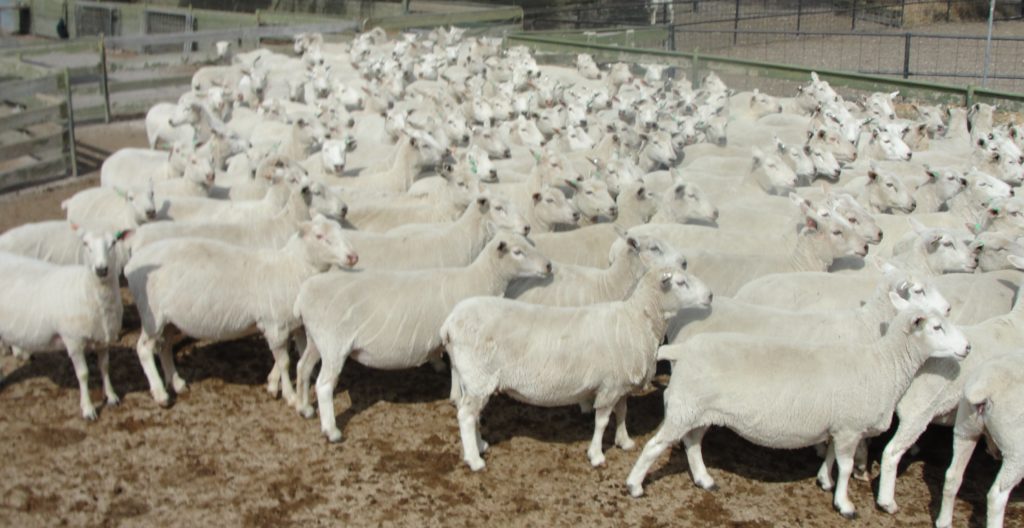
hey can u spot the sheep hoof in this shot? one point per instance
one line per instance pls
(635, 490)
(333, 436)
(888, 508)
(626, 444)
(307, 411)
(862, 474)
(179, 385)
(89, 414)
(825, 485)
(850, 515)
(482, 446)
(162, 400)
(597, 461)
(113, 400)
(475, 465)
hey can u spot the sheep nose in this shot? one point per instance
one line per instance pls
(1011, 192)
(880, 235)
(465, 138)
(494, 173)
(711, 297)
(910, 155)
(151, 214)
(352, 259)
(575, 217)
(351, 123)
(949, 310)
(967, 350)
(339, 168)
(614, 211)
(547, 268)
(526, 230)
(583, 123)
(101, 272)
(508, 153)
(344, 211)
(714, 215)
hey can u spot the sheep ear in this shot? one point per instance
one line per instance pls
(1017, 262)
(632, 243)
(898, 302)
(872, 175)
(483, 202)
(536, 197)
(124, 234)
(502, 247)
(75, 227)
(810, 223)
(641, 193)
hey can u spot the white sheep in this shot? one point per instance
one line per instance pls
(631, 256)
(354, 315)
(110, 209)
(215, 291)
(48, 307)
(993, 397)
(593, 355)
(759, 387)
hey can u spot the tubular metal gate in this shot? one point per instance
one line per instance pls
(156, 22)
(91, 20)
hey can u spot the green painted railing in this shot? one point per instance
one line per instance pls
(697, 60)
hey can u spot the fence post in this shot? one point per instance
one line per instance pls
(853, 16)
(695, 67)
(949, 7)
(104, 86)
(969, 96)
(736, 23)
(799, 13)
(70, 116)
(906, 55)
(671, 36)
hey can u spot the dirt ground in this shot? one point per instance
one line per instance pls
(226, 453)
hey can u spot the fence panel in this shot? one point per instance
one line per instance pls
(95, 19)
(39, 142)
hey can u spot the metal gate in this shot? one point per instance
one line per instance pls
(156, 21)
(91, 19)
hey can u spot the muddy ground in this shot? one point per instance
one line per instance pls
(228, 454)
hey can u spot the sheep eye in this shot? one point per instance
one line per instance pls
(918, 291)
(517, 252)
(837, 233)
(947, 244)
(889, 185)
(852, 220)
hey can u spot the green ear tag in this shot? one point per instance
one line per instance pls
(472, 166)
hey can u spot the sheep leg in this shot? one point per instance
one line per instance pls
(108, 387)
(668, 434)
(963, 447)
(695, 458)
(278, 339)
(845, 448)
(326, 382)
(144, 349)
(860, 462)
(1009, 476)
(76, 349)
(303, 371)
(469, 430)
(456, 391)
(622, 438)
(909, 430)
(167, 363)
(825, 472)
(595, 453)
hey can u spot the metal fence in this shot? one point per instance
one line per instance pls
(852, 35)
(798, 15)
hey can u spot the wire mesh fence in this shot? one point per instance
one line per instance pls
(853, 35)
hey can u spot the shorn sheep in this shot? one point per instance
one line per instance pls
(214, 291)
(47, 307)
(782, 394)
(991, 405)
(381, 319)
(593, 355)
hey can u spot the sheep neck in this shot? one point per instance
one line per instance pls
(538, 224)
(490, 273)
(296, 258)
(624, 273)
(403, 169)
(927, 197)
(469, 234)
(646, 305)
(898, 354)
(878, 310)
(106, 293)
(811, 253)
(629, 212)
(295, 210)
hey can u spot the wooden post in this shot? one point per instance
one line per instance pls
(695, 67)
(799, 13)
(736, 23)
(104, 86)
(70, 116)
(969, 96)
(405, 7)
(906, 55)
(853, 16)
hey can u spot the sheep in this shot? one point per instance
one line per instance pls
(47, 307)
(272, 232)
(549, 356)
(747, 384)
(974, 297)
(993, 250)
(239, 290)
(129, 168)
(683, 203)
(110, 209)
(991, 406)
(224, 211)
(349, 315)
(550, 209)
(939, 385)
(850, 325)
(586, 246)
(570, 285)
(933, 252)
(419, 246)
(940, 187)
(820, 241)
